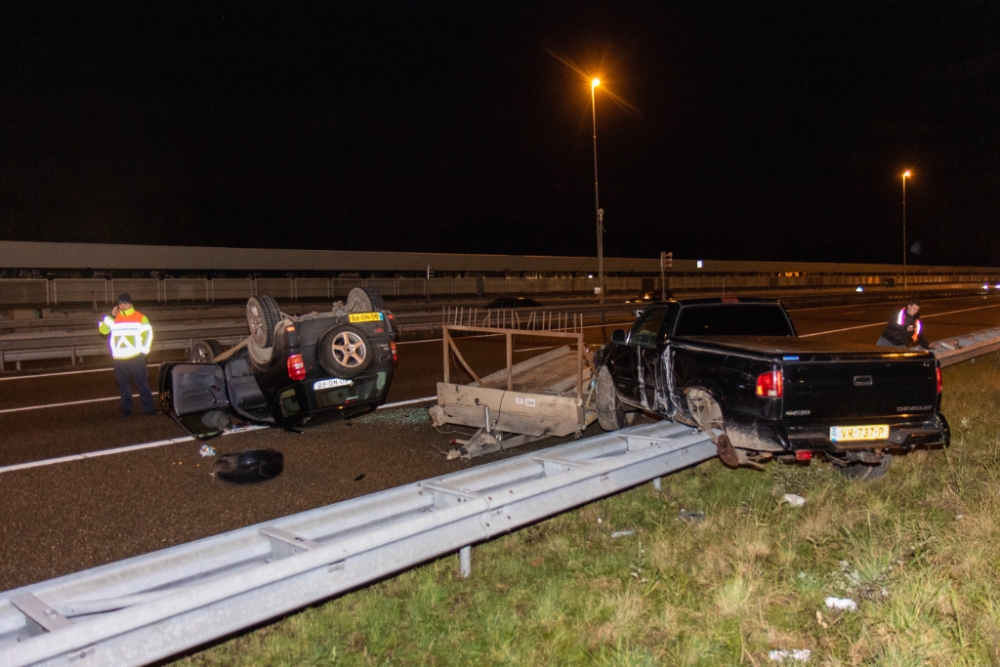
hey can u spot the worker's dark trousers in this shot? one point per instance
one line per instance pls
(127, 371)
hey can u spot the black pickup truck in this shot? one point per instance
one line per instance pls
(736, 369)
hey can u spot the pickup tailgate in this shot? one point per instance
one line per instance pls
(859, 388)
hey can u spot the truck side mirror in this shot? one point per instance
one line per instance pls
(618, 336)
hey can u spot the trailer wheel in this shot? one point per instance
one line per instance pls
(865, 472)
(344, 351)
(610, 415)
(364, 300)
(204, 351)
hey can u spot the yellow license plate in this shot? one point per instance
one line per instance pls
(364, 317)
(853, 433)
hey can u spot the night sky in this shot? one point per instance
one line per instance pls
(749, 130)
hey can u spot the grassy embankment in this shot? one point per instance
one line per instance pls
(919, 550)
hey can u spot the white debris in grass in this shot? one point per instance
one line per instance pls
(795, 655)
(843, 604)
(794, 500)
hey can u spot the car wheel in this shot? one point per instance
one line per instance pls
(364, 300)
(262, 316)
(344, 351)
(610, 415)
(204, 351)
(864, 472)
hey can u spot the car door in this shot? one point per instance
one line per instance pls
(646, 338)
(196, 398)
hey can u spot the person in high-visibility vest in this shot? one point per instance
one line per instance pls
(131, 337)
(904, 328)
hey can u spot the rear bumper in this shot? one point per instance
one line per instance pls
(903, 434)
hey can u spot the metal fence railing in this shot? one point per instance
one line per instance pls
(39, 291)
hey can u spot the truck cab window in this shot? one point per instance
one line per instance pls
(647, 327)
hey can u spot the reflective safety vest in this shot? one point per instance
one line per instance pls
(131, 334)
(917, 326)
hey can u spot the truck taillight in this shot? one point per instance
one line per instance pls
(296, 367)
(395, 355)
(938, 370)
(770, 384)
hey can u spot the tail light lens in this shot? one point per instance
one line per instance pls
(938, 372)
(296, 367)
(395, 361)
(770, 384)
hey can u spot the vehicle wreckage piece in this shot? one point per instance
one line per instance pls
(549, 401)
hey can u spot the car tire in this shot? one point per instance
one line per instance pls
(610, 415)
(865, 472)
(344, 351)
(204, 351)
(262, 316)
(364, 300)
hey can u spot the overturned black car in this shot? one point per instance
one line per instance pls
(290, 369)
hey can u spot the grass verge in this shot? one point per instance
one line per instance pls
(918, 550)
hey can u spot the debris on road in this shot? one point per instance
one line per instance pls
(843, 604)
(249, 466)
(206, 451)
(796, 655)
(693, 517)
(794, 500)
(622, 533)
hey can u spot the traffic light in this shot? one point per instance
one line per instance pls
(430, 272)
(670, 260)
(666, 260)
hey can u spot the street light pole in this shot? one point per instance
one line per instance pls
(597, 203)
(905, 175)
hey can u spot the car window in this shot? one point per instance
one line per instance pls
(744, 319)
(647, 327)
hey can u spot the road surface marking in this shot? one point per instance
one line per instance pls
(171, 441)
(62, 405)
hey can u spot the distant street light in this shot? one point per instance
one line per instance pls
(906, 174)
(597, 203)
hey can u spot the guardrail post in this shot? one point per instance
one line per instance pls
(465, 561)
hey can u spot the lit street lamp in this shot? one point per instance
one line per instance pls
(597, 204)
(906, 175)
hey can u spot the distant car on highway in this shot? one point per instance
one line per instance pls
(290, 369)
(513, 302)
(646, 297)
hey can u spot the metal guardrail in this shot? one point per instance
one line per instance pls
(151, 607)
(962, 348)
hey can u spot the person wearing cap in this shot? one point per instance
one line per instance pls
(904, 329)
(131, 337)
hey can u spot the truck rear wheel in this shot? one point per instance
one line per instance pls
(610, 415)
(865, 472)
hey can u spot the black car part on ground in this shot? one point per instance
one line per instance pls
(249, 466)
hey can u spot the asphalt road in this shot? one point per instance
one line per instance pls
(63, 517)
